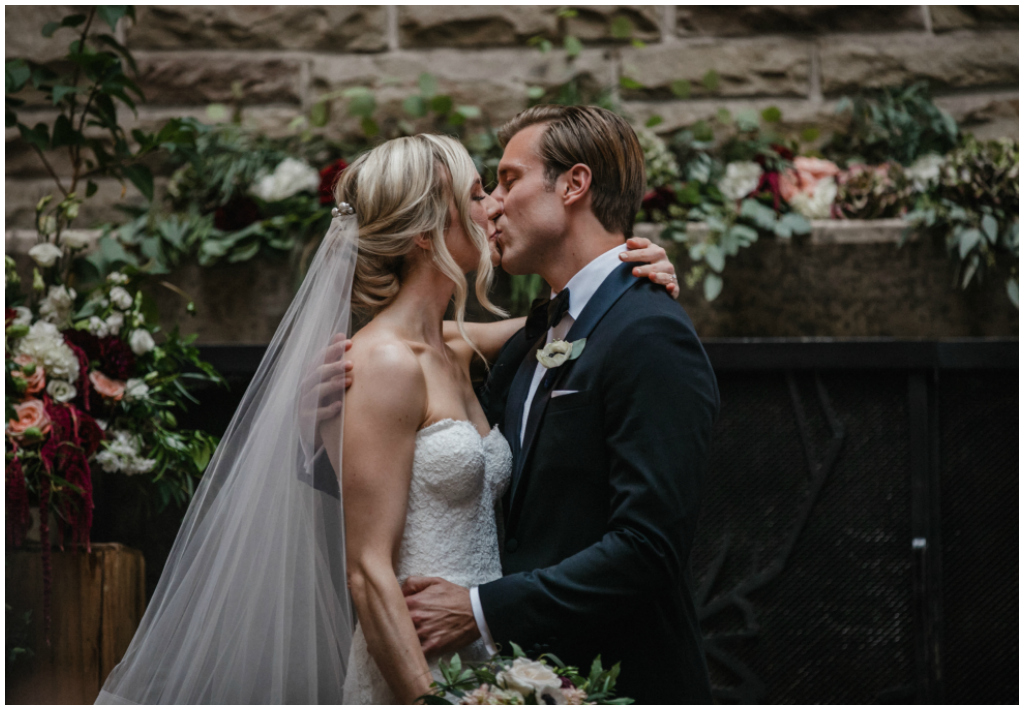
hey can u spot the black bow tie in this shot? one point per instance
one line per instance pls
(545, 313)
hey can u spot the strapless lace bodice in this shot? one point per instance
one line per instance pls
(451, 529)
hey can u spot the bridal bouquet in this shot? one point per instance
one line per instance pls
(521, 681)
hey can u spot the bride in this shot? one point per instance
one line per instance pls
(253, 605)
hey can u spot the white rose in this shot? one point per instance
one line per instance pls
(925, 171)
(554, 353)
(114, 322)
(45, 254)
(528, 676)
(98, 327)
(121, 298)
(58, 304)
(74, 239)
(141, 341)
(818, 205)
(61, 391)
(24, 316)
(289, 177)
(741, 178)
(135, 388)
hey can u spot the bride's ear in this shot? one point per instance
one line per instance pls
(423, 242)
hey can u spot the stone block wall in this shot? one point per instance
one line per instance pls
(281, 60)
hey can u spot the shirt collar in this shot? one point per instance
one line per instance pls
(587, 280)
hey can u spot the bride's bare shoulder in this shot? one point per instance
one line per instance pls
(385, 361)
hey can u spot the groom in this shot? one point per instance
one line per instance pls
(609, 448)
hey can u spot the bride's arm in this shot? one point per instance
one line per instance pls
(385, 407)
(652, 262)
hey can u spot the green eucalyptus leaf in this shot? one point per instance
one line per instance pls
(362, 104)
(142, 178)
(415, 106)
(111, 14)
(681, 88)
(573, 46)
(468, 112)
(747, 120)
(714, 255)
(761, 215)
(535, 92)
(442, 104)
(744, 234)
(990, 228)
(428, 85)
(969, 238)
(712, 287)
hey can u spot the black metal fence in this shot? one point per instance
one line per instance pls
(858, 540)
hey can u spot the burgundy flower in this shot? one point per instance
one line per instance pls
(658, 199)
(784, 152)
(117, 360)
(9, 315)
(89, 433)
(239, 212)
(86, 341)
(82, 383)
(770, 183)
(328, 179)
(18, 518)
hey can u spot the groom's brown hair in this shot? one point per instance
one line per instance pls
(602, 141)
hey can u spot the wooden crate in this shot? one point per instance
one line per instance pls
(97, 602)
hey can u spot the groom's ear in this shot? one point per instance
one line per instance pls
(575, 184)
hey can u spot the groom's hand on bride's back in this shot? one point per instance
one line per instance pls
(442, 613)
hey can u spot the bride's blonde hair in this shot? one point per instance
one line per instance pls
(399, 190)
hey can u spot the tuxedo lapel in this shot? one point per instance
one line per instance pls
(611, 290)
(517, 399)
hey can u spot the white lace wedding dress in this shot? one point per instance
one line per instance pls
(450, 530)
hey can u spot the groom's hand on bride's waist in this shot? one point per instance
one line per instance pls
(442, 613)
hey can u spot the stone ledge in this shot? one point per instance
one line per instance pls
(823, 231)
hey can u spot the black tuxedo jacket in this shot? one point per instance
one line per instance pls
(605, 492)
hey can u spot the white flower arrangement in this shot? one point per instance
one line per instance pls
(61, 390)
(121, 455)
(141, 342)
(57, 306)
(741, 178)
(45, 254)
(290, 177)
(819, 204)
(45, 345)
(121, 298)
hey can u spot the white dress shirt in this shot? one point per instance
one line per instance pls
(581, 287)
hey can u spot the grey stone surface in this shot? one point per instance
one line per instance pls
(189, 78)
(23, 26)
(738, 20)
(496, 80)
(957, 17)
(961, 60)
(325, 28)
(801, 289)
(745, 67)
(479, 26)
(21, 196)
(995, 115)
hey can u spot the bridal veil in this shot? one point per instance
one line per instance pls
(253, 606)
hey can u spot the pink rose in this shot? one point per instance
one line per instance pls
(804, 176)
(31, 413)
(114, 389)
(36, 381)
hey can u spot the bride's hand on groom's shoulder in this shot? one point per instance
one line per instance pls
(655, 263)
(442, 613)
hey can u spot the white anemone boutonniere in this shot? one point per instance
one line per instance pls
(558, 352)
